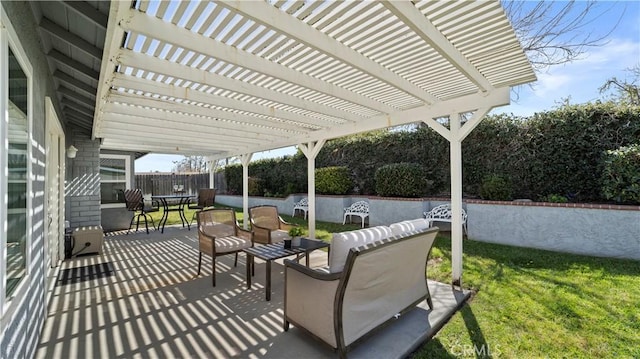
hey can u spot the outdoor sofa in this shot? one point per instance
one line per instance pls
(374, 274)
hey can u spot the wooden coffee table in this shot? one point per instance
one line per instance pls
(271, 252)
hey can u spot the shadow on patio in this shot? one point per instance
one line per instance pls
(141, 298)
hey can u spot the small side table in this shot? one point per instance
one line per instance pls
(271, 252)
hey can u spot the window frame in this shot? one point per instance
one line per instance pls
(9, 39)
(127, 164)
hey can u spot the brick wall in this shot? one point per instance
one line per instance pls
(83, 183)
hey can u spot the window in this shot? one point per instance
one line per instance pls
(15, 166)
(114, 179)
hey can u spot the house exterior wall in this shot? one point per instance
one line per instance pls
(21, 328)
(83, 182)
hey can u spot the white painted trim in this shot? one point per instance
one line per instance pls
(9, 37)
(128, 174)
(54, 127)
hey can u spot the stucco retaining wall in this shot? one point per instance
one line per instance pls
(589, 231)
(596, 230)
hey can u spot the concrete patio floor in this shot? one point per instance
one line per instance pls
(141, 299)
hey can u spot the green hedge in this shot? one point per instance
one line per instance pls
(621, 181)
(559, 152)
(401, 180)
(333, 180)
(497, 188)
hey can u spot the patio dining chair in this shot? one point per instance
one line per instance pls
(135, 203)
(267, 225)
(219, 234)
(206, 198)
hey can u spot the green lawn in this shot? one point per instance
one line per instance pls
(323, 229)
(529, 303)
(539, 304)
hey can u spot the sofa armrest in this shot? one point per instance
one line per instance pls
(325, 276)
(309, 300)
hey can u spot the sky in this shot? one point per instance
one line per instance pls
(578, 82)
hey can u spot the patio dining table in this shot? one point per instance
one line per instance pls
(169, 205)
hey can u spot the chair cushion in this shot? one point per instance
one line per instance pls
(231, 244)
(413, 225)
(279, 236)
(218, 229)
(344, 241)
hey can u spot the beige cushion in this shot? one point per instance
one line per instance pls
(342, 242)
(413, 225)
(218, 229)
(384, 282)
(231, 244)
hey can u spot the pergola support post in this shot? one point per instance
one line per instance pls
(245, 159)
(455, 134)
(311, 150)
(212, 165)
(455, 149)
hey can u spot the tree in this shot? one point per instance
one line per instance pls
(191, 164)
(554, 33)
(627, 91)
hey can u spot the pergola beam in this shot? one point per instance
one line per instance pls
(166, 32)
(495, 98)
(148, 147)
(184, 93)
(413, 18)
(264, 13)
(191, 124)
(217, 118)
(158, 66)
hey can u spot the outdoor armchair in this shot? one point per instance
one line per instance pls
(219, 234)
(206, 198)
(267, 225)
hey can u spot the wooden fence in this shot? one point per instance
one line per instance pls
(170, 183)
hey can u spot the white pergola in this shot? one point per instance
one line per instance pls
(231, 78)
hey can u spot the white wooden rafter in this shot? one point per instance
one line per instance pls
(164, 111)
(264, 13)
(164, 129)
(159, 66)
(162, 31)
(154, 87)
